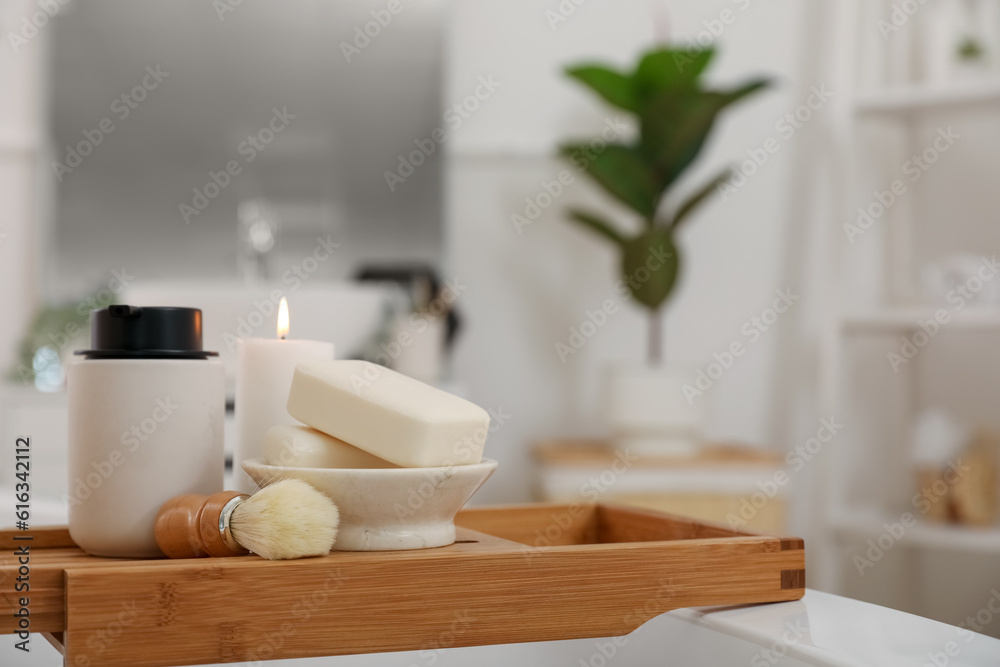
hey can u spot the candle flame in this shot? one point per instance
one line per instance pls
(283, 318)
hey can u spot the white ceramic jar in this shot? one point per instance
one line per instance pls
(142, 429)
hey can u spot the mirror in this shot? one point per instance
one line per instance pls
(219, 140)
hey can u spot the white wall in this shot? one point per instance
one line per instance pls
(526, 290)
(22, 115)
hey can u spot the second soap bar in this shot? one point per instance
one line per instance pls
(388, 414)
(303, 447)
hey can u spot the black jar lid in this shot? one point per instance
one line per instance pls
(132, 332)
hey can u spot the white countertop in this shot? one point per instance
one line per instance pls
(824, 629)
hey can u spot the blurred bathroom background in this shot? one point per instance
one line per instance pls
(377, 161)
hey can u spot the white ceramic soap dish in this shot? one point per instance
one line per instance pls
(388, 509)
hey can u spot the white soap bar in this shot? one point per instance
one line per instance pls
(388, 414)
(304, 447)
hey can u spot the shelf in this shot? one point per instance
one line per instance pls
(926, 535)
(602, 453)
(912, 99)
(903, 320)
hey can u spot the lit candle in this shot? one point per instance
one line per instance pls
(264, 370)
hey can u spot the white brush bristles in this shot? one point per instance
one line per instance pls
(288, 519)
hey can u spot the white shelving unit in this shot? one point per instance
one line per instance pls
(911, 100)
(857, 511)
(902, 320)
(930, 536)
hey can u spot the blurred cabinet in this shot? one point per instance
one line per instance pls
(735, 486)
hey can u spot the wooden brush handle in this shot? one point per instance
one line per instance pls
(188, 526)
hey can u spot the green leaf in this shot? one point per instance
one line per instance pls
(675, 125)
(694, 61)
(649, 266)
(673, 129)
(740, 92)
(669, 69)
(621, 170)
(695, 199)
(597, 225)
(616, 88)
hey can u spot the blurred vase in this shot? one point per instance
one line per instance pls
(649, 413)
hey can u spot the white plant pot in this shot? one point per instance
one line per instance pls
(648, 412)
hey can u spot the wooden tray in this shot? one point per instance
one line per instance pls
(516, 574)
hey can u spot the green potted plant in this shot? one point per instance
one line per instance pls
(675, 112)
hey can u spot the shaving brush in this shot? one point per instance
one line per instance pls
(288, 519)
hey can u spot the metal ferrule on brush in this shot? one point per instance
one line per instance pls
(225, 517)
